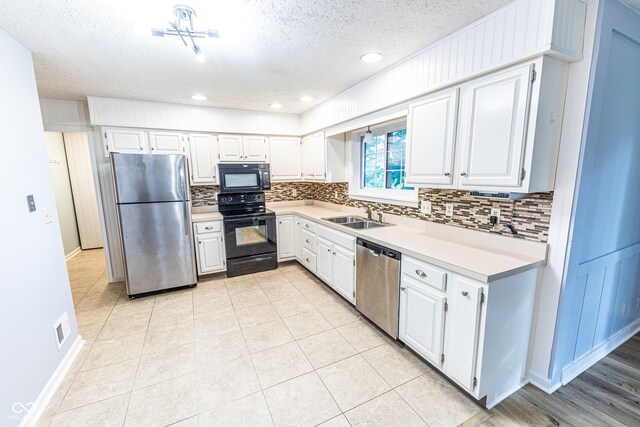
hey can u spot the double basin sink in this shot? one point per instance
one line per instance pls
(356, 222)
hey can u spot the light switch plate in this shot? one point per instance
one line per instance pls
(425, 207)
(448, 209)
(47, 215)
(31, 203)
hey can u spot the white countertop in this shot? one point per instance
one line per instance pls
(482, 263)
(201, 214)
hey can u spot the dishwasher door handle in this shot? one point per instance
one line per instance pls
(374, 253)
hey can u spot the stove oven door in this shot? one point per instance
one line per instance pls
(250, 235)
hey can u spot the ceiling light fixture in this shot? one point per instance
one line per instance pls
(275, 105)
(306, 99)
(182, 26)
(368, 136)
(198, 97)
(371, 57)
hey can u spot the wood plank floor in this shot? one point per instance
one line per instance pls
(607, 394)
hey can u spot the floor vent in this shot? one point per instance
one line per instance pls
(62, 329)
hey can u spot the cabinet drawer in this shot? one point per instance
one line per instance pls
(308, 225)
(308, 240)
(424, 273)
(208, 227)
(342, 239)
(309, 260)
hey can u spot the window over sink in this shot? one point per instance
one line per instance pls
(380, 173)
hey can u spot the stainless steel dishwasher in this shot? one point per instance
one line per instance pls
(377, 285)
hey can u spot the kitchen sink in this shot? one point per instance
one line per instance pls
(344, 219)
(359, 225)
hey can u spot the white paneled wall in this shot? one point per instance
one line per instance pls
(83, 188)
(157, 115)
(521, 30)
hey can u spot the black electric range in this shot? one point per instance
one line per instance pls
(249, 232)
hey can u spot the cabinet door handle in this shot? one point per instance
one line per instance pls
(463, 174)
(447, 174)
(402, 288)
(421, 273)
(465, 293)
(306, 225)
(208, 228)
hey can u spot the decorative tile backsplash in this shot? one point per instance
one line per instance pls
(529, 216)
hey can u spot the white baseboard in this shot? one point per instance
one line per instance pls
(73, 253)
(52, 385)
(543, 383)
(585, 362)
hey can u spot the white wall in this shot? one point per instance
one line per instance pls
(35, 289)
(62, 190)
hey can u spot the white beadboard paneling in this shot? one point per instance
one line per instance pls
(63, 115)
(157, 115)
(521, 30)
(83, 188)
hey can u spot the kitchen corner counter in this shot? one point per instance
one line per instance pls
(482, 263)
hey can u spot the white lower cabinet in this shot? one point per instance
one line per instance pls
(421, 323)
(344, 273)
(210, 253)
(324, 269)
(297, 238)
(463, 330)
(286, 234)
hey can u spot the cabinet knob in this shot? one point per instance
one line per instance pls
(447, 174)
(465, 293)
(308, 260)
(306, 240)
(306, 225)
(402, 288)
(334, 253)
(421, 273)
(199, 242)
(463, 174)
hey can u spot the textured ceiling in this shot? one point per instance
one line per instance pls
(268, 50)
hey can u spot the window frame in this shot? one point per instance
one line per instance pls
(382, 195)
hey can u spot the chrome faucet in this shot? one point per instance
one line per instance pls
(380, 217)
(369, 213)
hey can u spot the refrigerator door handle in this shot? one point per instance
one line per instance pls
(186, 218)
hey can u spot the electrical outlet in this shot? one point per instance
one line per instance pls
(47, 215)
(495, 212)
(623, 308)
(448, 209)
(425, 207)
(295, 192)
(335, 194)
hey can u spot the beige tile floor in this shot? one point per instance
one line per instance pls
(274, 348)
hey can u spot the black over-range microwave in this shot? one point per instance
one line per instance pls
(244, 177)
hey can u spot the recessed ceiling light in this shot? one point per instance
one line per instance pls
(306, 99)
(198, 97)
(371, 57)
(275, 105)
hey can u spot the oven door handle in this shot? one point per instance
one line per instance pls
(249, 220)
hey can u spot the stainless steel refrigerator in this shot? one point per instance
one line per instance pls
(153, 203)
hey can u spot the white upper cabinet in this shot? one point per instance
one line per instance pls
(493, 128)
(124, 141)
(203, 159)
(285, 158)
(431, 136)
(313, 157)
(255, 149)
(166, 142)
(243, 148)
(230, 148)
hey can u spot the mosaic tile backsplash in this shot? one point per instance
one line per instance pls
(529, 216)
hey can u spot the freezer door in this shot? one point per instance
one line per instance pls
(141, 178)
(157, 246)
